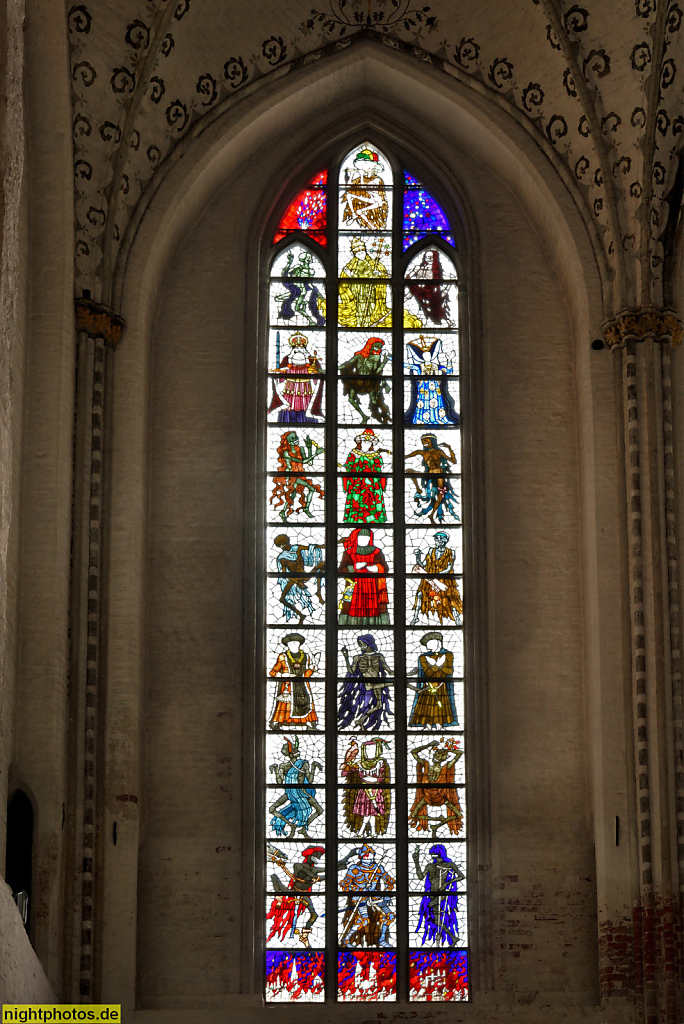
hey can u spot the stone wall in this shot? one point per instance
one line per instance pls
(22, 978)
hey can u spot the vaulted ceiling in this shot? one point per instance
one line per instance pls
(600, 83)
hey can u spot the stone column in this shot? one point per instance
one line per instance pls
(98, 332)
(645, 339)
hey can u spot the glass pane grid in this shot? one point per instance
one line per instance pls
(366, 896)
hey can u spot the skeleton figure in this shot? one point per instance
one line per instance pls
(435, 777)
(364, 699)
(291, 481)
(439, 906)
(286, 909)
(300, 296)
(299, 805)
(293, 562)
(434, 494)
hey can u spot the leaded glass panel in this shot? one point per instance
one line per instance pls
(365, 861)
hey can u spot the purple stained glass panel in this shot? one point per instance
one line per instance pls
(422, 214)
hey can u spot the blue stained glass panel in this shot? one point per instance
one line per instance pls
(422, 214)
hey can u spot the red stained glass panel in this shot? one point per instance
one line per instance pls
(307, 212)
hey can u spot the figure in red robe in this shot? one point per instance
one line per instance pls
(364, 598)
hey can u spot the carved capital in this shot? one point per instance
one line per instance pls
(661, 325)
(99, 321)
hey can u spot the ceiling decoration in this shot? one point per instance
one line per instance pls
(600, 85)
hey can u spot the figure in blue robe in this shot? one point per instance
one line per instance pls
(364, 697)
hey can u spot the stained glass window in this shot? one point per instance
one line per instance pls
(365, 866)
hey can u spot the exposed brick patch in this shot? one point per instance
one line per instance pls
(643, 959)
(616, 958)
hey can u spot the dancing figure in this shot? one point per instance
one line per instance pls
(300, 296)
(438, 914)
(435, 596)
(364, 699)
(362, 375)
(434, 494)
(292, 562)
(294, 898)
(367, 802)
(297, 808)
(435, 777)
(292, 459)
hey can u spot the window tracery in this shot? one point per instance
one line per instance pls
(365, 847)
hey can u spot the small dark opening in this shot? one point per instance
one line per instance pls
(19, 845)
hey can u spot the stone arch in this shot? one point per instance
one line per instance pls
(308, 113)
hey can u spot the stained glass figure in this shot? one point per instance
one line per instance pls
(295, 977)
(295, 808)
(433, 705)
(294, 702)
(362, 376)
(437, 593)
(293, 256)
(307, 212)
(422, 214)
(438, 977)
(367, 914)
(429, 400)
(367, 801)
(312, 442)
(362, 404)
(349, 639)
(366, 977)
(298, 299)
(351, 343)
(452, 640)
(297, 395)
(314, 645)
(454, 850)
(365, 196)
(295, 915)
(279, 346)
(292, 483)
(365, 489)
(438, 910)
(362, 299)
(364, 599)
(434, 764)
(424, 358)
(299, 565)
(364, 698)
(434, 497)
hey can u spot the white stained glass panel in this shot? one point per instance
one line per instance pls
(365, 191)
(431, 354)
(296, 261)
(365, 256)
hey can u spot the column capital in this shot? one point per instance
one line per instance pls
(661, 325)
(98, 321)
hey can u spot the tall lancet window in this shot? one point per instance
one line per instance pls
(365, 876)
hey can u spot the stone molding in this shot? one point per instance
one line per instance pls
(642, 324)
(98, 321)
